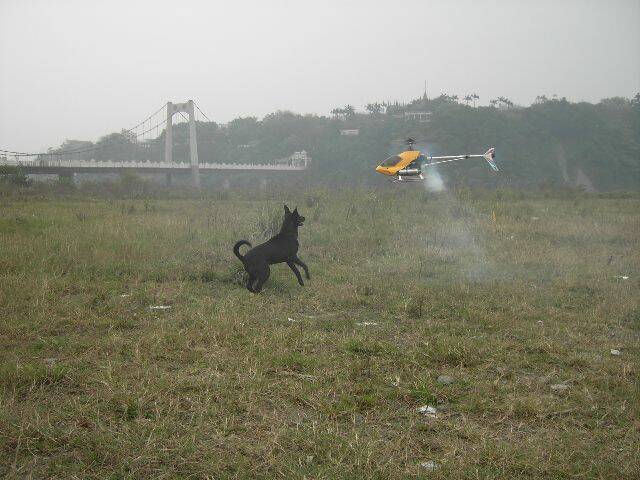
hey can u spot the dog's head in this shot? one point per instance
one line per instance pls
(294, 217)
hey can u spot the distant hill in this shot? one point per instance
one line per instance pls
(552, 142)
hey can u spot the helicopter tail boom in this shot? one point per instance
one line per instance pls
(489, 156)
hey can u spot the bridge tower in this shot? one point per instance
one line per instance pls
(188, 108)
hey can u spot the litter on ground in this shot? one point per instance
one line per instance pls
(428, 410)
(560, 387)
(160, 307)
(366, 324)
(429, 465)
(615, 352)
(621, 277)
(125, 295)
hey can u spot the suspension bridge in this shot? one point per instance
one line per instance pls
(67, 162)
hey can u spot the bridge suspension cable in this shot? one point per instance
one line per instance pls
(130, 131)
(148, 118)
(200, 110)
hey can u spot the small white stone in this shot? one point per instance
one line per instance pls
(429, 465)
(615, 352)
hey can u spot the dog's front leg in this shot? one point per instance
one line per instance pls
(297, 261)
(293, 267)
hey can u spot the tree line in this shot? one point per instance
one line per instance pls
(553, 141)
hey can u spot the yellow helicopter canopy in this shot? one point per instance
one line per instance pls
(395, 163)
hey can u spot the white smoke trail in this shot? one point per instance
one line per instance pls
(459, 231)
(433, 182)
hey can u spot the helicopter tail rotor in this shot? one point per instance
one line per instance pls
(489, 155)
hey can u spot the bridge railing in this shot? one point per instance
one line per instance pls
(297, 161)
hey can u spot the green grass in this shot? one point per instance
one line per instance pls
(288, 384)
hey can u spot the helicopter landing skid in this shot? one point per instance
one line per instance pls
(408, 179)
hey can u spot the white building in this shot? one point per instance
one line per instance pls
(350, 133)
(299, 159)
(423, 117)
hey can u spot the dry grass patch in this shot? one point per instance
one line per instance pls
(322, 381)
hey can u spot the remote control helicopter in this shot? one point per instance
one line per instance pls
(411, 164)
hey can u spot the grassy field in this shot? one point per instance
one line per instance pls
(515, 297)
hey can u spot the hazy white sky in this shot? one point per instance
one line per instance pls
(82, 68)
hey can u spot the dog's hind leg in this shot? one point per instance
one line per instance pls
(250, 281)
(293, 267)
(261, 278)
(297, 261)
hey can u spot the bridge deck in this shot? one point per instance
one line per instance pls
(92, 166)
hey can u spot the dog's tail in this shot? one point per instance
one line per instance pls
(236, 249)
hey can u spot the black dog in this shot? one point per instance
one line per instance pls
(282, 247)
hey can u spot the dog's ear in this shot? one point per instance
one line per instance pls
(295, 210)
(286, 209)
